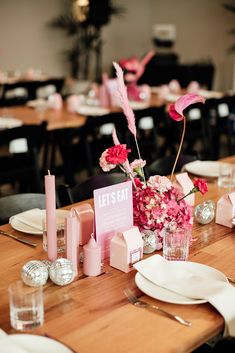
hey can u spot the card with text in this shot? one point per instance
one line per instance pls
(113, 207)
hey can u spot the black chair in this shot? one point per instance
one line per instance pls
(43, 89)
(13, 204)
(149, 123)
(217, 117)
(196, 135)
(14, 94)
(84, 191)
(163, 166)
(97, 136)
(22, 167)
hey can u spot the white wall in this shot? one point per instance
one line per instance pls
(25, 38)
(202, 26)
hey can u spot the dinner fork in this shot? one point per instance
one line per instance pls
(142, 304)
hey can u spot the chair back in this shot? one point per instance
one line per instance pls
(22, 167)
(218, 113)
(14, 204)
(163, 166)
(84, 191)
(98, 136)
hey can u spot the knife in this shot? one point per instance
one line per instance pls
(27, 242)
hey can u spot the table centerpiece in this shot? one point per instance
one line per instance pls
(160, 208)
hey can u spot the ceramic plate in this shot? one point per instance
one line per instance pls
(26, 228)
(138, 105)
(208, 169)
(39, 344)
(168, 296)
(92, 110)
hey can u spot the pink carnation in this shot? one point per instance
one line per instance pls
(161, 183)
(106, 167)
(117, 154)
(201, 185)
(137, 163)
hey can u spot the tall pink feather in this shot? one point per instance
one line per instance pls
(122, 95)
(115, 138)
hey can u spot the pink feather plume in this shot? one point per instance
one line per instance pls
(122, 95)
(115, 138)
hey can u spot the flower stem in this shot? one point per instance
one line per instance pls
(138, 150)
(195, 189)
(128, 174)
(179, 150)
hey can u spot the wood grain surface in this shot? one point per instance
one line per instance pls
(93, 315)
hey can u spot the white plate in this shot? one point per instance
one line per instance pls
(92, 110)
(26, 228)
(39, 344)
(168, 296)
(138, 105)
(203, 168)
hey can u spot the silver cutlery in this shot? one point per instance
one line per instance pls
(27, 242)
(142, 304)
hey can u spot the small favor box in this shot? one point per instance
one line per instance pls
(225, 211)
(85, 216)
(126, 248)
(186, 185)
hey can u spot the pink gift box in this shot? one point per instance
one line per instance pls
(126, 248)
(186, 185)
(225, 210)
(85, 216)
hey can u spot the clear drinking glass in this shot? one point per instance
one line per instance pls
(176, 244)
(226, 178)
(60, 234)
(26, 306)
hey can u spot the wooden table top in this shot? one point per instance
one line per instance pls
(92, 314)
(57, 119)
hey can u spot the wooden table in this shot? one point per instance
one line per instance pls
(58, 119)
(93, 315)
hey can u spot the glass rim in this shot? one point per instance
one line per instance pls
(17, 285)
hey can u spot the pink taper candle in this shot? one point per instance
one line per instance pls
(92, 258)
(51, 216)
(71, 227)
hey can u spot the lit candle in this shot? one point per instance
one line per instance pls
(92, 258)
(71, 240)
(51, 216)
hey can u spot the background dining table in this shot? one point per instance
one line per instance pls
(93, 314)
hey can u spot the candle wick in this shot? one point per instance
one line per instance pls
(49, 173)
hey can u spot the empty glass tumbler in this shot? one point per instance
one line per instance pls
(26, 306)
(176, 244)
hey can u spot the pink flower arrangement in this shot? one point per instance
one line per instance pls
(158, 203)
(156, 207)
